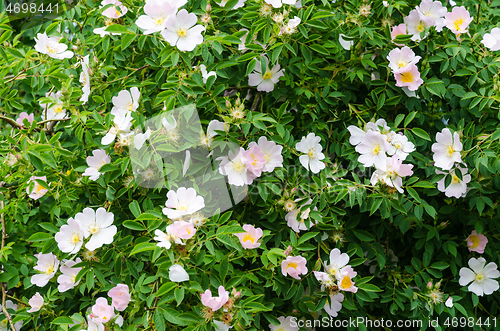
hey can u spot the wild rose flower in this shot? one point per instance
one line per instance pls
(416, 24)
(233, 166)
(122, 123)
(70, 237)
(85, 79)
(205, 74)
(177, 274)
(345, 282)
(398, 30)
(56, 110)
(457, 187)
(409, 78)
(435, 11)
(337, 261)
(286, 324)
(458, 20)
(163, 238)
(400, 60)
(36, 302)
(279, 3)
(140, 138)
(98, 225)
(67, 279)
(120, 296)
(157, 15)
(249, 239)
(476, 242)
(481, 276)
(52, 47)
(311, 147)
(115, 11)
(223, 3)
(23, 115)
(183, 202)
(492, 40)
(125, 100)
(447, 149)
(38, 190)
(215, 303)
(99, 158)
(265, 81)
(254, 160)
(181, 229)
(47, 264)
(346, 44)
(392, 174)
(298, 225)
(272, 153)
(181, 32)
(372, 149)
(290, 27)
(400, 146)
(102, 312)
(294, 266)
(93, 326)
(216, 125)
(334, 305)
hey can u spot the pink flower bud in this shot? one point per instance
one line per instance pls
(429, 285)
(209, 8)
(288, 250)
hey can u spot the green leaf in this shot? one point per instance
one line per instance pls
(165, 288)
(62, 320)
(134, 208)
(421, 133)
(116, 28)
(127, 40)
(307, 236)
(363, 235)
(369, 287)
(40, 236)
(440, 265)
(133, 225)
(142, 247)
(320, 49)
(409, 118)
(423, 184)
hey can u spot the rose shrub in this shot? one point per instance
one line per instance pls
(250, 164)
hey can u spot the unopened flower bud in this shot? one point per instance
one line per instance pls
(288, 250)
(209, 8)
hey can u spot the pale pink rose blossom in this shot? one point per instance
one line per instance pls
(120, 296)
(345, 282)
(182, 229)
(400, 146)
(334, 305)
(294, 266)
(254, 160)
(48, 265)
(311, 159)
(457, 187)
(481, 276)
(409, 78)
(398, 30)
(38, 190)
(23, 115)
(67, 279)
(416, 24)
(70, 237)
(272, 153)
(447, 149)
(435, 11)
(458, 20)
(36, 302)
(233, 166)
(337, 261)
(249, 239)
(183, 202)
(392, 174)
(286, 324)
(98, 225)
(99, 158)
(476, 242)
(52, 47)
(115, 11)
(265, 81)
(372, 149)
(157, 15)
(181, 31)
(292, 218)
(215, 303)
(126, 100)
(492, 40)
(102, 311)
(400, 60)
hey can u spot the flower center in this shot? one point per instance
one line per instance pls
(94, 228)
(238, 167)
(50, 269)
(449, 150)
(73, 278)
(475, 241)
(74, 238)
(249, 237)
(455, 179)
(346, 282)
(376, 149)
(407, 77)
(58, 109)
(397, 145)
(292, 265)
(182, 207)
(458, 22)
(311, 153)
(420, 27)
(39, 188)
(402, 63)
(51, 49)
(267, 75)
(160, 19)
(129, 106)
(117, 12)
(254, 163)
(479, 278)
(182, 33)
